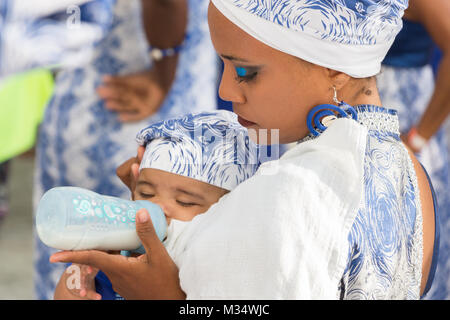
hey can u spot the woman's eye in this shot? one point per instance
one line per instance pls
(245, 74)
(186, 204)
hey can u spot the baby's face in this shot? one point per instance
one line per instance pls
(180, 197)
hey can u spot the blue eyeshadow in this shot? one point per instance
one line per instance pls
(241, 72)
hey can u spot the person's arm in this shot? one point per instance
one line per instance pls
(434, 15)
(165, 27)
(137, 96)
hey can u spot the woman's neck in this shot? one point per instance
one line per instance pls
(361, 91)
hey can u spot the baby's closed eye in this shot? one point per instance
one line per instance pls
(186, 203)
(145, 195)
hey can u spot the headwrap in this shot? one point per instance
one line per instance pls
(211, 147)
(345, 35)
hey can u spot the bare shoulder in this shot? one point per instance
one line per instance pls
(426, 199)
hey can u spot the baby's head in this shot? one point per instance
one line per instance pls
(191, 162)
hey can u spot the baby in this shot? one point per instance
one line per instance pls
(188, 165)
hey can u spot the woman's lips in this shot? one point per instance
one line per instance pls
(244, 122)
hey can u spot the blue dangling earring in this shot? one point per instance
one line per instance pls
(322, 115)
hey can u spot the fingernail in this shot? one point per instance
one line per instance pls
(53, 258)
(142, 216)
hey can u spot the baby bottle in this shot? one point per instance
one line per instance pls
(71, 218)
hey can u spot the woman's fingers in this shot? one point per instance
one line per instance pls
(101, 260)
(147, 234)
(118, 95)
(119, 105)
(108, 92)
(134, 97)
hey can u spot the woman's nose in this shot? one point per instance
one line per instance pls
(229, 89)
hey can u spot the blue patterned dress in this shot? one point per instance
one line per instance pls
(81, 143)
(406, 84)
(385, 241)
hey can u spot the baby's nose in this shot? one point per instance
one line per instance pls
(161, 203)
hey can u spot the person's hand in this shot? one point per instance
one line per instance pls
(153, 275)
(128, 171)
(134, 97)
(77, 283)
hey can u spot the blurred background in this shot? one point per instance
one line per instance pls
(79, 79)
(16, 262)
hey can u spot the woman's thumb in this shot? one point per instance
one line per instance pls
(146, 231)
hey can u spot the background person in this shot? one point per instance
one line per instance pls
(407, 84)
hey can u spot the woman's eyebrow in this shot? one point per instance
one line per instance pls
(189, 193)
(233, 58)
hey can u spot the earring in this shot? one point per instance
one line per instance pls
(335, 99)
(347, 108)
(320, 117)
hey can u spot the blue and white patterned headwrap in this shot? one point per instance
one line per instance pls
(351, 36)
(211, 147)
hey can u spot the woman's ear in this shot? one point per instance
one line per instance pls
(338, 79)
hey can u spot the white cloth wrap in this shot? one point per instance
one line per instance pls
(283, 235)
(358, 51)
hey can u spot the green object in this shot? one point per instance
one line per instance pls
(23, 99)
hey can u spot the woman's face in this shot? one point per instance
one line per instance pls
(268, 88)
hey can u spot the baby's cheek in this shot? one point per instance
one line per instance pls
(184, 214)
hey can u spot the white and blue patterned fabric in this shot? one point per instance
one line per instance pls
(62, 32)
(385, 241)
(409, 91)
(343, 213)
(81, 143)
(210, 146)
(346, 35)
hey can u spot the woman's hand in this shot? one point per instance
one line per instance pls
(134, 97)
(153, 275)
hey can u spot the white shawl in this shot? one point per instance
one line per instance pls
(283, 234)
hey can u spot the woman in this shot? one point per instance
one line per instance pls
(345, 214)
(407, 83)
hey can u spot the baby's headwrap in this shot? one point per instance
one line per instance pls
(350, 36)
(211, 147)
